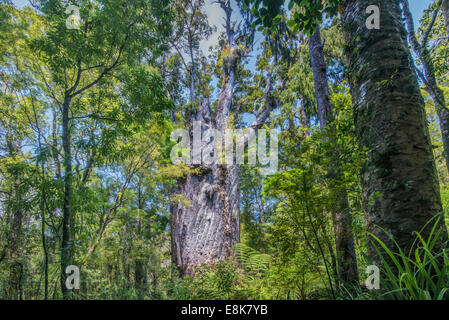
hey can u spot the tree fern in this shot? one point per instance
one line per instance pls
(251, 260)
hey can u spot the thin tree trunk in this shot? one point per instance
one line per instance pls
(303, 116)
(44, 239)
(429, 77)
(55, 150)
(16, 267)
(140, 276)
(44, 246)
(13, 291)
(325, 110)
(344, 238)
(66, 244)
(42, 209)
(399, 180)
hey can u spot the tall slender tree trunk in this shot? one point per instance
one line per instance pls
(429, 78)
(140, 276)
(319, 67)
(66, 243)
(304, 120)
(16, 212)
(43, 210)
(399, 180)
(15, 264)
(45, 248)
(344, 238)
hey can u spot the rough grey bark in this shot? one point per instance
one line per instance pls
(319, 68)
(428, 75)
(399, 181)
(344, 238)
(205, 229)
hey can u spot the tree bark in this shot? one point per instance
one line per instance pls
(15, 264)
(42, 209)
(13, 251)
(66, 243)
(429, 78)
(205, 231)
(319, 67)
(399, 180)
(206, 228)
(304, 120)
(344, 238)
(140, 276)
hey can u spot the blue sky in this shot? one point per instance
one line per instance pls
(417, 7)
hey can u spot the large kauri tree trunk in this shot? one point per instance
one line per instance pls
(399, 181)
(205, 230)
(206, 225)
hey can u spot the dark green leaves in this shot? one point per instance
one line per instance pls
(304, 14)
